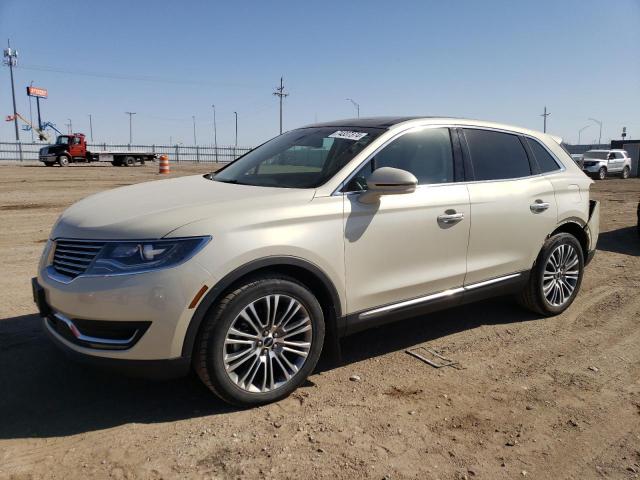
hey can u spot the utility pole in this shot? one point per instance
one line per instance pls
(281, 94)
(236, 114)
(11, 60)
(355, 104)
(215, 133)
(600, 124)
(580, 132)
(31, 115)
(545, 115)
(91, 128)
(131, 114)
(70, 126)
(195, 142)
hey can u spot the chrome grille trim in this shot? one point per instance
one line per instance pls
(72, 257)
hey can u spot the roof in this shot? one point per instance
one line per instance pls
(379, 122)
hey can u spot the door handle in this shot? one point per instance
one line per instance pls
(449, 218)
(539, 206)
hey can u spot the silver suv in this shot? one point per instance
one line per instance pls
(326, 230)
(600, 163)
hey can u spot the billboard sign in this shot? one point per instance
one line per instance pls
(37, 92)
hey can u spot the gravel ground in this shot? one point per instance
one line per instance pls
(537, 398)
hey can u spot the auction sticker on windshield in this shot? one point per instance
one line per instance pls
(348, 135)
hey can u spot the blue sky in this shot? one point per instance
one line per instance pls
(493, 60)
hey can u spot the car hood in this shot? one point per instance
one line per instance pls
(154, 209)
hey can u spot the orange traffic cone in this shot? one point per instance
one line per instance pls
(163, 165)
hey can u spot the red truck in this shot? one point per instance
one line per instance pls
(73, 148)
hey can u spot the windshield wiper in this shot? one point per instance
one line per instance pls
(224, 181)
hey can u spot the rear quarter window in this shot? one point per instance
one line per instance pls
(544, 159)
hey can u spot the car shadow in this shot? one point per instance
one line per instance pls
(45, 394)
(623, 240)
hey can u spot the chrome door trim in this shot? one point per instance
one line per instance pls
(407, 303)
(436, 296)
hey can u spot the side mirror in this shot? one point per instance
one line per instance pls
(388, 181)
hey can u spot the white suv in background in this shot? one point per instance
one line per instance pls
(320, 232)
(600, 163)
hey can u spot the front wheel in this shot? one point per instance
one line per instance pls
(602, 173)
(625, 172)
(63, 160)
(261, 341)
(556, 276)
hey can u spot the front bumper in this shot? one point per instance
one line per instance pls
(48, 158)
(592, 168)
(148, 313)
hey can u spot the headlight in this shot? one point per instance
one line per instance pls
(144, 255)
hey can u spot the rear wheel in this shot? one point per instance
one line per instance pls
(63, 160)
(556, 276)
(129, 161)
(625, 172)
(261, 341)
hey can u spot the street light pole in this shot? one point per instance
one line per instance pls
(580, 132)
(600, 124)
(236, 114)
(70, 125)
(355, 104)
(131, 114)
(91, 128)
(195, 142)
(215, 133)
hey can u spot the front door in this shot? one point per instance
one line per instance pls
(409, 245)
(75, 148)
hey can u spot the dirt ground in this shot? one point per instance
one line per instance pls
(538, 398)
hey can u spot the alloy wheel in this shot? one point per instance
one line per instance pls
(267, 343)
(561, 274)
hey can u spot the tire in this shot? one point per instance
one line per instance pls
(234, 379)
(562, 246)
(625, 172)
(63, 160)
(129, 162)
(602, 173)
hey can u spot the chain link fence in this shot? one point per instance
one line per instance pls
(24, 151)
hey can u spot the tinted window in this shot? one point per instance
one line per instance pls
(496, 155)
(544, 159)
(426, 153)
(618, 155)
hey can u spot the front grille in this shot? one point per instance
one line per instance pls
(72, 257)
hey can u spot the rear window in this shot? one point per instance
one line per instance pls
(496, 155)
(545, 161)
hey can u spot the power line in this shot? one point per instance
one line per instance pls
(281, 94)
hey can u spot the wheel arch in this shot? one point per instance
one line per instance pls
(574, 227)
(305, 272)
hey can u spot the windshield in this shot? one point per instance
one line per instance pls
(598, 155)
(304, 158)
(62, 140)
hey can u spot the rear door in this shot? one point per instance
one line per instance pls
(513, 207)
(410, 245)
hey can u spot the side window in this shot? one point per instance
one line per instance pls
(496, 155)
(76, 141)
(618, 155)
(544, 159)
(426, 153)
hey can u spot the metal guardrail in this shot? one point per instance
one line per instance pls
(26, 151)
